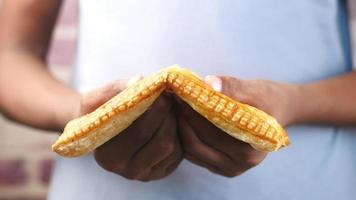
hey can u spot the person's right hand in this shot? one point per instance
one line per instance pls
(148, 149)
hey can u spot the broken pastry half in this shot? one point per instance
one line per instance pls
(243, 122)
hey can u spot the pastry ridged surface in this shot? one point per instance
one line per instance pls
(239, 120)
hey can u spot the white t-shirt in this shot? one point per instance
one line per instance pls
(352, 22)
(288, 41)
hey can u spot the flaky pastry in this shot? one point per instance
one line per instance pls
(244, 122)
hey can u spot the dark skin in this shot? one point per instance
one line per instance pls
(206, 145)
(149, 149)
(153, 146)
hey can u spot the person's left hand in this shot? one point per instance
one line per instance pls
(208, 146)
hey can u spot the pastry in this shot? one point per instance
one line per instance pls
(241, 121)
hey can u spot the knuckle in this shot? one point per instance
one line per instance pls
(151, 178)
(166, 146)
(113, 167)
(120, 168)
(232, 174)
(131, 174)
(145, 180)
(252, 161)
(233, 170)
(226, 173)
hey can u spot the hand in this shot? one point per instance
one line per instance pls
(147, 150)
(206, 145)
(274, 98)
(209, 147)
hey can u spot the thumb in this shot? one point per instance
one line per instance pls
(215, 82)
(230, 86)
(97, 97)
(224, 84)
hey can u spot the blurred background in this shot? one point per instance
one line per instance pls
(26, 161)
(25, 158)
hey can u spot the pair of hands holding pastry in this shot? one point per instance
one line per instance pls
(170, 130)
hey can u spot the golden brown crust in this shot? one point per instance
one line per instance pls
(239, 120)
(86, 133)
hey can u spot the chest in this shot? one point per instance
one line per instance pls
(290, 41)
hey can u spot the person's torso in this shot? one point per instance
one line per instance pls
(288, 41)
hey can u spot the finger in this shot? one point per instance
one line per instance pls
(168, 165)
(173, 165)
(210, 167)
(133, 80)
(164, 167)
(157, 175)
(99, 96)
(235, 88)
(215, 82)
(175, 156)
(151, 121)
(157, 149)
(209, 134)
(195, 147)
(162, 173)
(117, 152)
